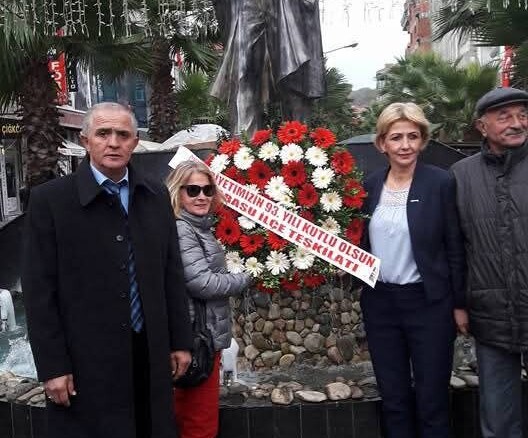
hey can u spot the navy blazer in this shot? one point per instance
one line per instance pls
(436, 237)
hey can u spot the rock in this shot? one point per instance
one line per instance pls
(334, 355)
(325, 329)
(296, 305)
(371, 380)
(278, 336)
(260, 342)
(356, 393)
(260, 393)
(294, 386)
(305, 305)
(261, 300)
(287, 313)
(268, 328)
(270, 358)
(282, 396)
(251, 352)
(262, 312)
(314, 343)
(237, 388)
(457, 382)
(316, 327)
(299, 325)
(224, 391)
(338, 391)
(274, 312)
(3, 389)
(287, 302)
(286, 360)
(346, 346)
(294, 338)
(285, 348)
(354, 316)
(337, 294)
(309, 322)
(279, 324)
(24, 398)
(317, 302)
(253, 316)
(259, 324)
(346, 305)
(356, 306)
(323, 318)
(297, 350)
(346, 318)
(304, 332)
(290, 325)
(249, 326)
(310, 396)
(331, 340)
(237, 330)
(296, 294)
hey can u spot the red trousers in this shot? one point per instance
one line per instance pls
(196, 409)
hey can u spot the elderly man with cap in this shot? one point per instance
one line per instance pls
(492, 199)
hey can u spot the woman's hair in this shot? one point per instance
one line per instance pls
(401, 111)
(179, 177)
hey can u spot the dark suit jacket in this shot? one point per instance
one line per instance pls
(76, 288)
(436, 238)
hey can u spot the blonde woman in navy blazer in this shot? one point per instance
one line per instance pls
(410, 315)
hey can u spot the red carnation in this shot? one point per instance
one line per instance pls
(314, 280)
(209, 159)
(291, 132)
(228, 231)
(293, 173)
(291, 285)
(354, 230)
(343, 162)
(261, 137)
(322, 137)
(267, 290)
(251, 243)
(308, 215)
(229, 147)
(235, 174)
(224, 212)
(307, 196)
(354, 194)
(259, 174)
(275, 242)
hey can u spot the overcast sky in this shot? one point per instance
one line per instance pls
(374, 25)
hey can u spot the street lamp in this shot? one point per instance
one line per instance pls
(351, 45)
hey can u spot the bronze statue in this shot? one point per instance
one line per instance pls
(272, 52)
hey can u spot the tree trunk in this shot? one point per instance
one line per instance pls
(41, 131)
(162, 122)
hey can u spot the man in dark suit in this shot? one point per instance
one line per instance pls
(104, 291)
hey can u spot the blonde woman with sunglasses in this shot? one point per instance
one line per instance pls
(195, 197)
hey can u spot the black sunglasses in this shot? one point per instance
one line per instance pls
(193, 190)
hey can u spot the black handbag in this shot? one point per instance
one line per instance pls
(203, 352)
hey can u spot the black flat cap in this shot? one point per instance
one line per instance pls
(500, 97)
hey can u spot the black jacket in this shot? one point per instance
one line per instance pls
(436, 239)
(76, 290)
(492, 198)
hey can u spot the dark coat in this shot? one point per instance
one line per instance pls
(492, 197)
(76, 289)
(436, 238)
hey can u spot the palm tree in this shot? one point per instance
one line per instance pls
(335, 110)
(489, 23)
(191, 37)
(28, 86)
(446, 92)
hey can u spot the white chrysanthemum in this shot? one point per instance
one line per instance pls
(322, 177)
(301, 258)
(285, 199)
(243, 158)
(252, 188)
(219, 163)
(291, 152)
(276, 188)
(235, 264)
(268, 151)
(254, 267)
(330, 225)
(331, 201)
(245, 223)
(277, 263)
(316, 156)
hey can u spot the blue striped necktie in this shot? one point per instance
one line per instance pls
(137, 319)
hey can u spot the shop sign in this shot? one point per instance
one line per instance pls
(10, 129)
